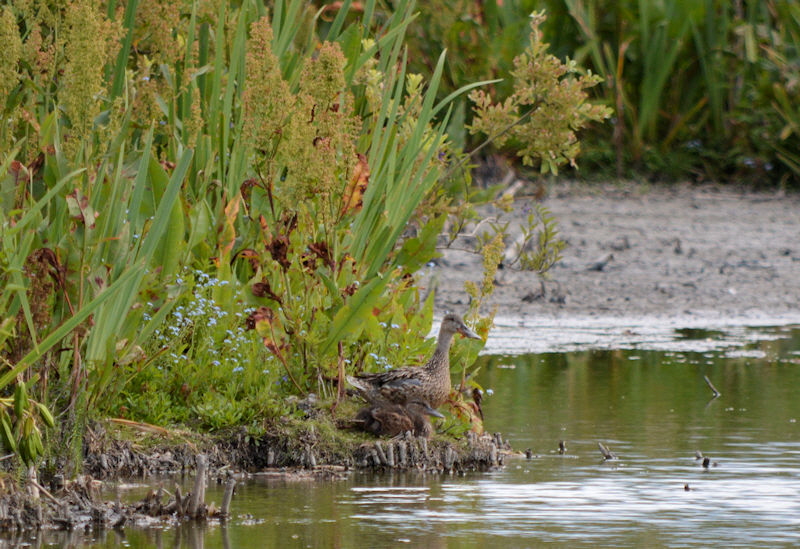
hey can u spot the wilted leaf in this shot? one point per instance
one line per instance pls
(264, 289)
(227, 235)
(354, 194)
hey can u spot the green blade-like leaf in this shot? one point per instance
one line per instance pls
(349, 320)
(59, 333)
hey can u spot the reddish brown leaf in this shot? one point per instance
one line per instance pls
(352, 199)
(350, 290)
(323, 252)
(278, 248)
(250, 255)
(263, 289)
(246, 188)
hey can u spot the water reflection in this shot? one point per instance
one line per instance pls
(653, 409)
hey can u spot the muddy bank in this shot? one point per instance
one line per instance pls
(242, 455)
(84, 504)
(682, 255)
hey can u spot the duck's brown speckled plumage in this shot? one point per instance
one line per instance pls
(388, 419)
(429, 383)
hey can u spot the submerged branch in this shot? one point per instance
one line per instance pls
(711, 386)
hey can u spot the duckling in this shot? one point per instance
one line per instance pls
(388, 419)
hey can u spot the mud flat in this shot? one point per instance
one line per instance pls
(644, 259)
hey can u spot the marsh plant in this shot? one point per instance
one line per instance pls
(548, 105)
(233, 206)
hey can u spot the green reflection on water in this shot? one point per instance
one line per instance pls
(653, 409)
(645, 399)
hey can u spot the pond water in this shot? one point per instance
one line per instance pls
(653, 409)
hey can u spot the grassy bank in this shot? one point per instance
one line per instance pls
(209, 210)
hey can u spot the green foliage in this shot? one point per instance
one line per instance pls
(540, 247)
(21, 419)
(548, 105)
(201, 366)
(694, 84)
(700, 90)
(209, 210)
(481, 39)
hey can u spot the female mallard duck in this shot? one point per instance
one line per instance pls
(429, 383)
(387, 419)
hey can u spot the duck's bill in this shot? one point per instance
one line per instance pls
(466, 332)
(432, 412)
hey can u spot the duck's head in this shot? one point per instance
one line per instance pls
(422, 407)
(454, 324)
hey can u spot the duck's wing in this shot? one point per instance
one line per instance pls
(398, 375)
(369, 392)
(392, 386)
(398, 390)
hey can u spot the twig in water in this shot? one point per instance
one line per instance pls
(607, 454)
(711, 386)
(41, 489)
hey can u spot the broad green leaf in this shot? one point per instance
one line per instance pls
(349, 320)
